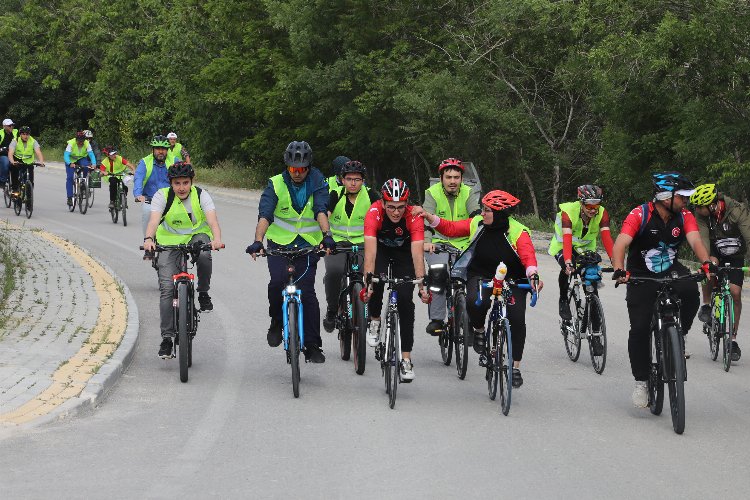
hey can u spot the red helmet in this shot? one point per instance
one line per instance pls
(452, 163)
(499, 200)
(395, 190)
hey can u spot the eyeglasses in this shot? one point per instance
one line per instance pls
(395, 208)
(296, 170)
(486, 209)
(353, 179)
(591, 206)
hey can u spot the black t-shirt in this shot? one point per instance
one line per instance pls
(333, 200)
(491, 248)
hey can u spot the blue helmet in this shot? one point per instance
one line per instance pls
(673, 182)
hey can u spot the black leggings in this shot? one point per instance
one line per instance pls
(15, 174)
(402, 267)
(516, 313)
(113, 189)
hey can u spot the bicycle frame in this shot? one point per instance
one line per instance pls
(353, 275)
(292, 294)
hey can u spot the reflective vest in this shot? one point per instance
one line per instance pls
(346, 228)
(149, 162)
(175, 151)
(77, 153)
(515, 229)
(176, 227)
(333, 185)
(443, 210)
(2, 134)
(25, 152)
(113, 167)
(580, 244)
(287, 222)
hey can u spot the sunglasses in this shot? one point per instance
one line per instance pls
(296, 170)
(591, 206)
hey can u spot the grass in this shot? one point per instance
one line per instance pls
(535, 223)
(11, 262)
(231, 174)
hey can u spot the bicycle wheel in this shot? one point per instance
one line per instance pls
(655, 380)
(72, 206)
(17, 204)
(393, 358)
(504, 360)
(345, 332)
(114, 213)
(674, 365)
(6, 195)
(91, 192)
(182, 329)
(124, 208)
(294, 347)
(712, 330)
(569, 329)
(359, 330)
(727, 327)
(493, 365)
(83, 196)
(597, 328)
(29, 203)
(461, 332)
(445, 339)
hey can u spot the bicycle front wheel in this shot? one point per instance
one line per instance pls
(29, 202)
(124, 208)
(6, 195)
(182, 329)
(345, 332)
(460, 333)
(114, 213)
(655, 379)
(674, 366)
(597, 334)
(359, 330)
(294, 347)
(727, 327)
(504, 361)
(445, 339)
(17, 204)
(493, 364)
(569, 329)
(83, 197)
(91, 193)
(393, 358)
(712, 329)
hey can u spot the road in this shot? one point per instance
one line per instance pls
(236, 431)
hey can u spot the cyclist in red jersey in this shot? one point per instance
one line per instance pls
(394, 231)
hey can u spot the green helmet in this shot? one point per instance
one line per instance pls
(704, 195)
(159, 141)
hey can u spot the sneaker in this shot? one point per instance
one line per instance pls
(596, 345)
(407, 371)
(70, 202)
(684, 342)
(478, 341)
(517, 378)
(314, 354)
(564, 309)
(640, 394)
(329, 322)
(373, 336)
(165, 349)
(704, 313)
(436, 327)
(205, 301)
(274, 333)
(111, 205)
(736, 351)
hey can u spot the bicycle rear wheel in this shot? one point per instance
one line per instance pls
(29, 203)
(504, 360)
(91, 192)
(182, 329)
(83, 196)
(124, 208)
(460, 332)
(6, 195)
(393, 358)
(727, 328)
(597, 328)
(359, 330)
(569, 329)
(294, 347)
(711, 329)
(74, 201)
(655, 380)
(674, 365)
(493, 365)
(345, 332)
(445, 339)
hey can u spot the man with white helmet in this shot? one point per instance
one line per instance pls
(176, 149)
(7, 134)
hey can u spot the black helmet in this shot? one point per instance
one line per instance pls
(80, 136)
(298, 154)
(24, 130)
(353, 167)
(672, 182)
(338, 164)
(180, 169)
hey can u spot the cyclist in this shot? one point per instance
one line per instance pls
(21, 153)
(652, 234)
(177, 149)
(150, 176)
(452, 200)
(114, 163)
(334, 181)
(577, 226)
(393, 231)
(346, 215)
(293, 212)
(7, 134)
(495, 237)
(94, 145)
(78, 151)
(181, 213)
(724, 226)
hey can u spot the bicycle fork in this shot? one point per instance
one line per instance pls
(294, 296)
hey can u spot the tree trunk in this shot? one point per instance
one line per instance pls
(532, 191)
(555, 187)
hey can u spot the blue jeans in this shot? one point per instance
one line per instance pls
(70, 172)
(4, 168)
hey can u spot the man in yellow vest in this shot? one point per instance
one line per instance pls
(77, 152)
(7, 134)
(293, 212)
(177, 149)
(346, 214)
(334, 181)
(21, 155)
(577, 226)
(452, 200)
(113, 163)
(180, 214)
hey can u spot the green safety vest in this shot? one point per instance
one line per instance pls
(77, 153)
(333, 185)
(113, 167)
(2, 134)
(176, 227)
(25, 152)
(287, 222)
(352, 229)
(580, 244)
(443, 210)
(176, 150)
(149, 162)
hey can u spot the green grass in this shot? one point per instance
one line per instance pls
(11, 261)
(536, 223)
(232, 175)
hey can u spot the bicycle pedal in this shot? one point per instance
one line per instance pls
(483, 361)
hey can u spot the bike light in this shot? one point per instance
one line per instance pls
(291, 289)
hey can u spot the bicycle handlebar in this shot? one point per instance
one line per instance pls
(490, 283)
(348, 247)
(396, 281)
(636, 280)
(291, 253)
(195, 247)
(443, 248)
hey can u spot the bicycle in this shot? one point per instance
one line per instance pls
(291, 310)
(186, 316)
(388, 350)
(81, 189)
(25, 197)
(667, 348)
(121, 199)
(497, 358)
(583, 311)
(351, 318)
(6, 187)
(720, 326)
(457, 329)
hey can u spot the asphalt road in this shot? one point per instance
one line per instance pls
(236, 431)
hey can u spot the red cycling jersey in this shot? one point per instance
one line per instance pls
(409, 228)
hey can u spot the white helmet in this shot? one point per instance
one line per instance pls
(89, 134)
(171, 135)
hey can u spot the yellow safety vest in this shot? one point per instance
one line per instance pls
(346, 228)
(25, 152)
(287, 222)
(580, 244)
(176, 227)
(443, 210)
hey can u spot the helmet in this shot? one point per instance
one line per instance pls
(24, 130)
(499, 200)
(673, 182)
(450, 163)
(8, 122)
(353, 167)
(298, 154)
(395, 190)
(171, 135)
(181, 169)
(88, 134)
(159, 141)
(109, 150)
(705, 194)
(338, 164)
(589, 192)
(80, 135)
